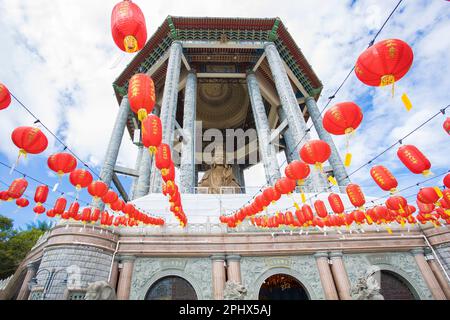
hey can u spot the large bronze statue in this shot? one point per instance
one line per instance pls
(220, 175)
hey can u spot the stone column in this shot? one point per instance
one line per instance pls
(234, 268)
(124, 285)
(340, 173)
(266, 148)
(169, 105)
(238, 172)
(187, 166)
(340, 276)
(24, 289)
(427, 274)
(218, 274)
(114, 274)
(137, 167)
(115, 140)
(326, 278)
(440, 276)
(143, 182)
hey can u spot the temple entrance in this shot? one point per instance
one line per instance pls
(394, 287)
(282, 287)
(171, 288)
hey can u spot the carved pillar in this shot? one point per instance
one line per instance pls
(24, 289)
(340, 276)
(114, 274)
(427, 274)
(187, 166)
(112, 152)
(438, 273)
(326, 278)
(266, 148)
(124, 285)
(137, 168)
(339, 171)
(218, 274)
(169, 105)
(234, 268)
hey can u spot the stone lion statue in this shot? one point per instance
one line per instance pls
(100, 290)
(234, 291)
(367, 287)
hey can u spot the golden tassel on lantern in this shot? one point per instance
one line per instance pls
(332, 180)
(389, 230)
(438, 191)
(387, 80)
(348, 159)
(427, 173)
(142, 114)
(406, 102)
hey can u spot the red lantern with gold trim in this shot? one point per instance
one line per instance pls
(128, 26)
(41, 194)
(343, 118)
(384, 63)
(110, 197)
(414, 160)
(396, 203)
(271, 194)
(97, 189)
(60, 205)
(5, 97)
(336, 204)
(141, 95)
(152, 133)
(384, 178)
(425, 207)
(163, 158)
(446, 125)
(39, 209)
(307, 213)
(62, 163)
(29, 140)
(428, 195)
(355, 194)
(22, 202)
(446, 180)
(321, 209)
(297, 170)
(80, 178)
(17, 188)
(315, 152)
(285, 185)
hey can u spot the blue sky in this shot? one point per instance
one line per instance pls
(58, 57)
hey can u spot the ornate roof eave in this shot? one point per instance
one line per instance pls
(186, 28)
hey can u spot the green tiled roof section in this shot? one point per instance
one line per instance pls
(273, 33)
(173, 30)
(287, 57)
(216, 34)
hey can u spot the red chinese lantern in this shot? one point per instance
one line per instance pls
(425, 207)
(428, 195)
(128, 26)
(321, 209)
(396, 203)
(22, 202)
(315, 152)
(285, 185)
(297, 170)
(308, 214)
(163, 158)
(17, 188)
(5, 97)
(384, 178)
(95, 215)
(446, 195)
(446, 181)
(60, 205)
(62, 163)
(414, 160)
(80, 178)
(271, 194)
(73, 210)
(355, 195)
(97, 189)
(117, 205)
(169, 177)
(86, 215)
(384, 63)
(4, 196)
(40, 195)
(141, 95)
(51, 213)
(29, 140)
(39, 209)
(446, 125)
(110, 197)
(151, 133)
(343, 118)
(336, 204)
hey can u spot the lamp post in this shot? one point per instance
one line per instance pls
(51, 274)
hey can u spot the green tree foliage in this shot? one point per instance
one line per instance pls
(15, 244)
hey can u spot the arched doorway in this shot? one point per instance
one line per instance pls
(282, 287)
(395, 287)
(171, 288)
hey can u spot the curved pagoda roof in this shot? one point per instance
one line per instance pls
(215, 29)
